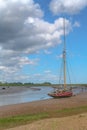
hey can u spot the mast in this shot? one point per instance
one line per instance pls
(64, 56)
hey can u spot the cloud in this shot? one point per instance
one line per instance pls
(59, 56)
(23, 31)
(46, 76)
(47, 71)
(15, 63)
(76, 24)
(35, 78)
(67, 6)
(47, 52)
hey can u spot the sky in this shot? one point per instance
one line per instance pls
(31, 40)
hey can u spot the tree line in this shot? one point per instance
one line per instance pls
(25, 84)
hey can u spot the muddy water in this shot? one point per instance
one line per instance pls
(30, 94)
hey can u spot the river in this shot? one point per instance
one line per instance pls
(31, 94)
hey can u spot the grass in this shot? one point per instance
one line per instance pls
(25, 119)
(20, 120)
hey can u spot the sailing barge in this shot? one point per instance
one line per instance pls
(64, 92)
(61, 94)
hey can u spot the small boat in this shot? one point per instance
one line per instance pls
(65, 92)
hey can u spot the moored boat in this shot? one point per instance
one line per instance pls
(61, 94)
(64, 92)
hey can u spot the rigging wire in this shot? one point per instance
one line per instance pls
(60, 74)
(72, 72)
(66, 69)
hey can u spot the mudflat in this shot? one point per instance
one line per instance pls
(43, 106)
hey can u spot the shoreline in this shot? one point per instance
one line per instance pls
(12, 89)
(18, 89)
(43, 106)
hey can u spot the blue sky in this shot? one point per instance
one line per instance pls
(31, 40)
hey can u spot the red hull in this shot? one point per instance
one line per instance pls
(61, 94)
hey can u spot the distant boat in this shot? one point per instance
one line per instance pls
(65, 92)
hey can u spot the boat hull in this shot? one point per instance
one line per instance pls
(61, 95)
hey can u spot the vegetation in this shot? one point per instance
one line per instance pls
(25, 84)
(25, 119)
(20, 120)
(37, 84)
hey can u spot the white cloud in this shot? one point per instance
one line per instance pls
(47, 71)
(24, 31)
(76, 24)
(46, 76)
(11, 62)
(36, 78)
(67, 6)
(60, 56)
(47, 52)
